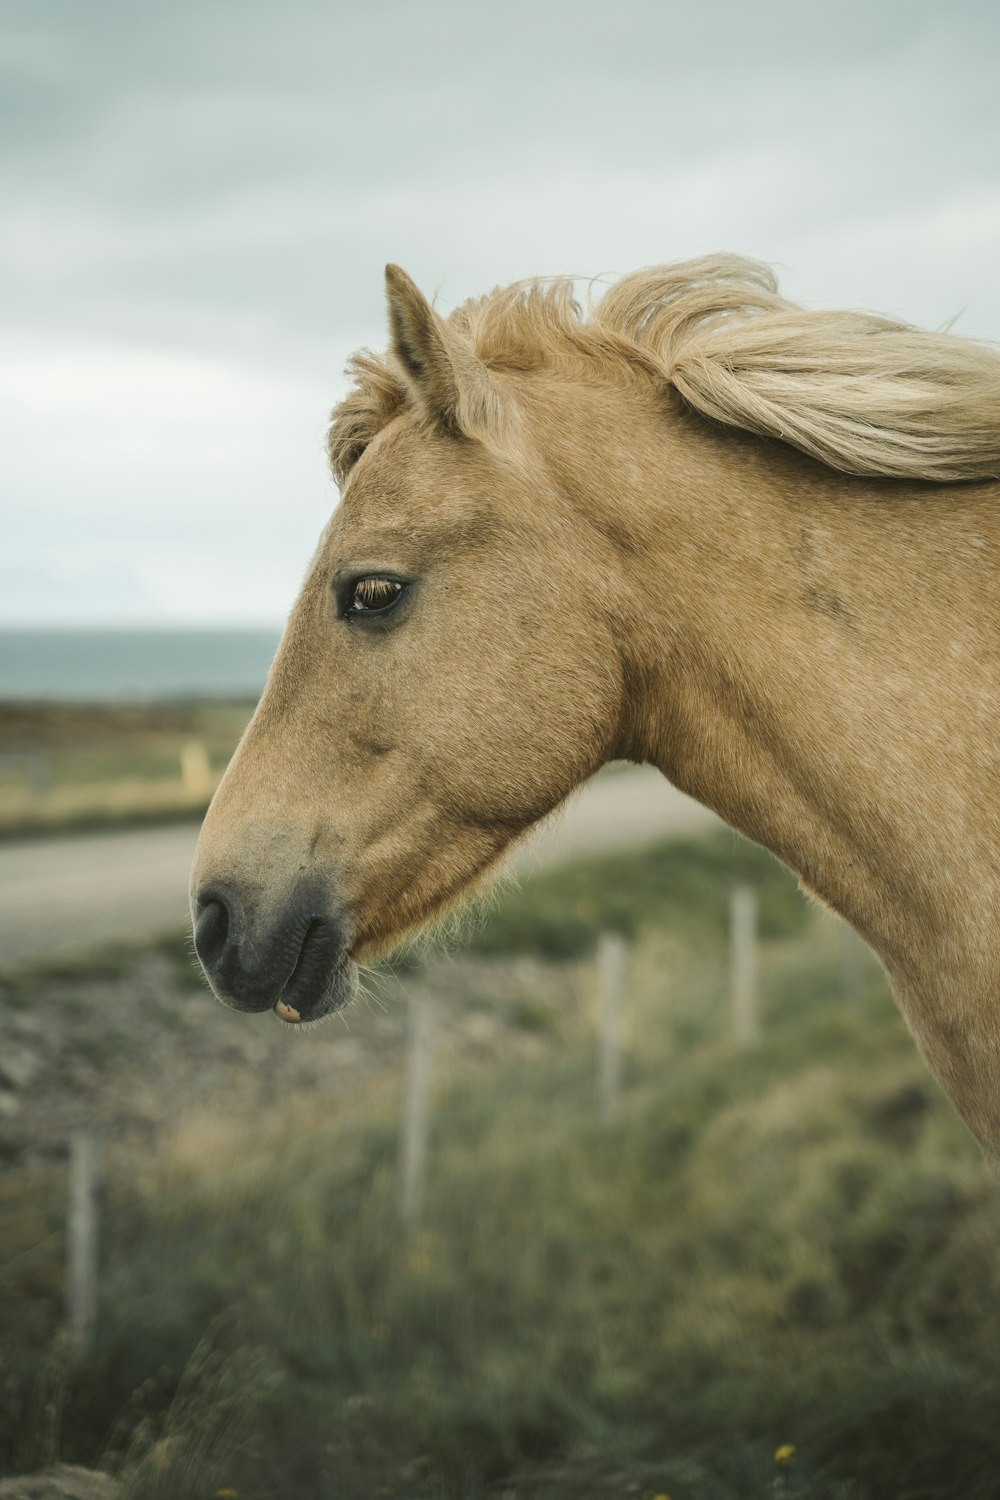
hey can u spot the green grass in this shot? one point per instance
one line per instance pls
(681, 885)
(794, 1245)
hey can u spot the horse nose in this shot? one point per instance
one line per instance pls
(242, 958)
(216, 932)
(212, 929)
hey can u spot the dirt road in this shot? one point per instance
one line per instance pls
(62, 896)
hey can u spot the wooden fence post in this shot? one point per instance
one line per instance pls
(196, 770)
(610, 986)
(743, 965)
(416, 1109)
(81, 1264)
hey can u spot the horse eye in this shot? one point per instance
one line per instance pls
(374, 596)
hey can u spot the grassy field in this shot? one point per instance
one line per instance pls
(791, 1248)
(65, 766)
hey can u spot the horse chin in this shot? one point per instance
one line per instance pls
(386, 941)
(421, 913)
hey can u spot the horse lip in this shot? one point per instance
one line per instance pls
(323, 978)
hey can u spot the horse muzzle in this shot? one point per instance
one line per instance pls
(293, 961)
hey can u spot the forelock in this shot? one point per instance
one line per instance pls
(376, 396)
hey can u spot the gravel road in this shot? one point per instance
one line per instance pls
(61, 896)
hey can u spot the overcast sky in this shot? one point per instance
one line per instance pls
(197, 200)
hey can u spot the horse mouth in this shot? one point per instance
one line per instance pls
(324, 978)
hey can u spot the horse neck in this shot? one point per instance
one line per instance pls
(817, 658)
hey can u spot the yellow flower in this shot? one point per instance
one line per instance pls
(227, 1494)
(785, 1453)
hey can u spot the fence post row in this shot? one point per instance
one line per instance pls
(81, 1268)
(743, 965)
(416, 1109)
(610, 987)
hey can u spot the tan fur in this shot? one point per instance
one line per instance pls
(601, 571)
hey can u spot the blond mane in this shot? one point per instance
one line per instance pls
(861, 393)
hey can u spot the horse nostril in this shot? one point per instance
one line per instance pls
(211, 932)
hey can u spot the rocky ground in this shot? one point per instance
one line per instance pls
(64, 1482)
(130, 1047)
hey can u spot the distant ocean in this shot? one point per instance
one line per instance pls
(83, 665)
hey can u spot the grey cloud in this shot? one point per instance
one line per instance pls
(224, 181)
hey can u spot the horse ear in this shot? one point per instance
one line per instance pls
(453, 386)
(418, 342)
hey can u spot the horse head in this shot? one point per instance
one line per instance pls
(451, 670)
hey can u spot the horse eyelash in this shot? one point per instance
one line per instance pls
(369, 588)
(369, 591)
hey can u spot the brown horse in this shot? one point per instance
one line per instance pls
(756, 546)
